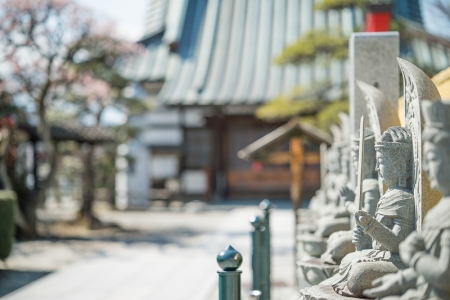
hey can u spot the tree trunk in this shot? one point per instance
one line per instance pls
(88, 188)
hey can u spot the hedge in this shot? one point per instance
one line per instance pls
(7, 203)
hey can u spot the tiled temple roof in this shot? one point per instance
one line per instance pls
(221, 52)
(232, 62)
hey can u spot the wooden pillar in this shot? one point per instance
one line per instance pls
(297, 165)
(219, 132)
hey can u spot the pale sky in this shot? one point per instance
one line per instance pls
(129, 14)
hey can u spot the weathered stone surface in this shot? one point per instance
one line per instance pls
(418, 86)
(372, 60)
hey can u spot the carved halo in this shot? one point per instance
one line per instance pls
(418, 86)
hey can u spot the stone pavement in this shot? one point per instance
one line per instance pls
(169, 271)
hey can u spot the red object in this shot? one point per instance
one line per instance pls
(378, 21)
(257, 166)
(7, 122)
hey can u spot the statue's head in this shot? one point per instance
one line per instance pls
(334, 160)
(394, 157)
(369, 152)
(436, 137)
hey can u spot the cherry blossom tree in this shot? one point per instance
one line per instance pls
(53, 51)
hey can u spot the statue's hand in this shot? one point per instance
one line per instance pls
(346, 194)
(363, 219)
(358, 235)
(411, 245)
(384, 286)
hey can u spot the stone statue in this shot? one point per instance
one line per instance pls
(393, 222)
(428, 253)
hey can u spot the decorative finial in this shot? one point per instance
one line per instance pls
(229, 259)
(256, 221)
(265, 205)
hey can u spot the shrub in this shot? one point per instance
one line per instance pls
(7, 204)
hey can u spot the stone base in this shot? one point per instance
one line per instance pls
(323, 292)
(315, 270)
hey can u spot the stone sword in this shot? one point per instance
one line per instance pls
(360, 169)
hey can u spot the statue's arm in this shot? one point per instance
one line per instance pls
(436, 270)
(389, 238)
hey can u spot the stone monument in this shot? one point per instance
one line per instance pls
(372, 58)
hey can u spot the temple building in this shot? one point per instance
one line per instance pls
(208, 65)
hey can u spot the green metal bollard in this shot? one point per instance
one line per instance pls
(229, 261)
(257, 240)
(266, 206)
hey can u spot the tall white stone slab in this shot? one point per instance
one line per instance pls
(373, 59)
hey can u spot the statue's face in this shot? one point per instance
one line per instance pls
(368, 162)
(437, 164)
(386, 169)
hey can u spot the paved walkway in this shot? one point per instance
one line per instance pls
(169, 271)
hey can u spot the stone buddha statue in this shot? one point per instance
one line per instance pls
(393, 221)
(428, 253)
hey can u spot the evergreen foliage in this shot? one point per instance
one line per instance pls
(326, 5)
(314, 43)
(7, 203)
(285, 107)
(330, 114)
